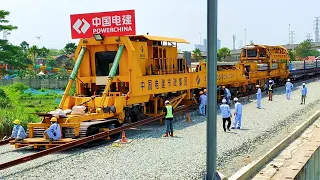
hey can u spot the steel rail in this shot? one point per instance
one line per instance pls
(5, 141)
(87, 139)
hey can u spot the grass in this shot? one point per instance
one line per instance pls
(15, 104)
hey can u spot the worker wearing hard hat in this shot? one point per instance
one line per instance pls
(270, 88)
(238, 114)
(259, 96)
(304, 92)
(18, 132)
(289, 87)
(226, 114)
(227, 94)
(53, 132)
(205, 106)
(168, 110)
(203, 102)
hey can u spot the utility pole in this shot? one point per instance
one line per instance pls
(240, 44)
(245, 37)
(317, 29)
(212, 28)
(292, 34)
(308, 36)
(234, 42)
(289, 35)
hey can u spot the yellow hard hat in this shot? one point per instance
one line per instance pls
(201, 92)
(98, 110)
(205, 90)
(53, 119)
(16, 121)
(223, 87)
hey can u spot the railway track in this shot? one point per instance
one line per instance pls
(88, 139)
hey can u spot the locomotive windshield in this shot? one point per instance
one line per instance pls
(249, 53)
(104, 62)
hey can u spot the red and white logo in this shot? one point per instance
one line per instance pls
(116, 23)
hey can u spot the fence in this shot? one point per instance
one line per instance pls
(37, 83)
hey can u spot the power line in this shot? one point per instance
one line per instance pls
(292, 36)
(308, 36)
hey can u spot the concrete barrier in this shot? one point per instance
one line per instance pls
(253, 168)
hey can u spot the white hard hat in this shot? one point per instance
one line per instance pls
(257, 85)
(166, 102)
(224, 100)
(288, 79)
(235, 99)
(270, 80)
(303, 84)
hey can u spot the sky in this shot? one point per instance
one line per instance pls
(266, 22)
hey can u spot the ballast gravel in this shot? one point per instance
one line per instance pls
(151, 156)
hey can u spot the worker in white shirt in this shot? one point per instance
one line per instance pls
(238, 114)
(226, 114)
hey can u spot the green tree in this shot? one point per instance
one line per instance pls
(196, 54)
(304, 49)
(292, 55)
(43, 52)
(24, 45)
(223, 53)
(33, 52)
(51, 62)
(70, 48)
(4, 21)
(251, 43)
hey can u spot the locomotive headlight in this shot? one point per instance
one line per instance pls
(98, 37)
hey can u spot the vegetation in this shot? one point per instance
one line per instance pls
(304, 50)
(223, 53)
(15, 104)
(196, 54)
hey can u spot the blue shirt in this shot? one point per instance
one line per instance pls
(225, 110)
(304, 91)
(238, 108)
(54, 128)
(18, 132)
(227, 93)
(259, 94)
(289, 85)
(203, 99)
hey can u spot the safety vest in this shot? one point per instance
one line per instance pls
(169, 112)
(270, 87)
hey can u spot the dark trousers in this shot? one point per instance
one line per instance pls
(168, 123)
(303, 99)
(224, 123)
(270, 94)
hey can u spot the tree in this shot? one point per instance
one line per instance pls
(304, 49)
(33, 52)
(292, 55)
(43, 52)
(251, 43)
(51, 62)
(196, 54)
(24, 45)
(70, 48)
(223, 53)
(3, 21)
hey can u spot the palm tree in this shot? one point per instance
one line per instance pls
(196, 54)
(24, 45)
(33, 52)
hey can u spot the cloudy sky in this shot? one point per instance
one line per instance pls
(267, 22)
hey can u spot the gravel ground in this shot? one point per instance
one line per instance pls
(150, 156)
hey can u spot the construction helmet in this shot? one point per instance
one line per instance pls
(201, 92)
(98, 110)
(257, 85)
(288, 80)
(223, 87)
(205, 90)
(235, 99)
(17, 121)
(167, 102)
(224, 101)
(303, 84)
(53, 119)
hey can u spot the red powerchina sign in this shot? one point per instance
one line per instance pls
(113, 23)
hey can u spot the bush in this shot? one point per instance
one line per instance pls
(19, 87)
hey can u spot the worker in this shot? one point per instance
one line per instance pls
(289, 87)
(303, 93)
(259, 96)
(226, 114)
(168, 110)
(203, 102)
(227, 94)
(205, 106)
(237, 114)
(53, 132)
(270, 88)
(18, 132)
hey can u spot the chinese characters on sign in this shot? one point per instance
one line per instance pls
(174, 82)
(163, 83)
(185, 81)
(142, 85)
(115, 23)
(225, 76)
(180, 81)
(169, 82)
(156, 84)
